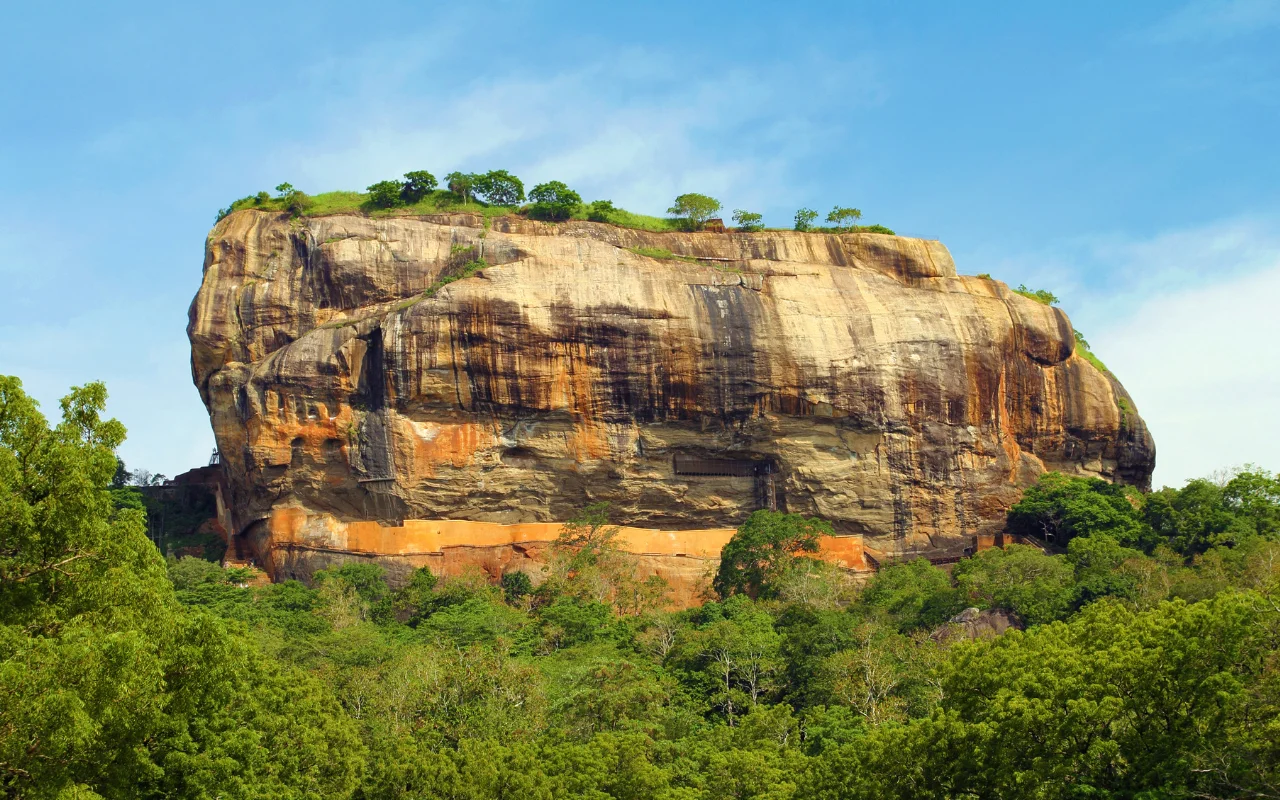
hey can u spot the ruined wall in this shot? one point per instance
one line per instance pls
(855, 377)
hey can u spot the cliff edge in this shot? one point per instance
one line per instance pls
(365, 405)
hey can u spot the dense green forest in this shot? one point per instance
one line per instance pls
(1148, 666)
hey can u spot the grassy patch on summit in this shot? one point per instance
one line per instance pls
(436, 202)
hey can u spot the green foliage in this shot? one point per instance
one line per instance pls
(499, 188)
(515, 585)
(125, 676)
(1043, 296)
(433, 202)
(601, 211)
(914, 594)
(462, 184)
(877, 228)
(748, 220)
(111, 688)
(467, 270)
(660, 253)
(386, 194)
(588, 566)
(691, 211)
(844, 219)
(1164, 703)
(763, 550)
(189, 572)
(553, 201)
(1191, 520)
(1038, 588)
(1203, 514)
(1059, 507)
(288, 198)
(417, 185)
(805, 218)
(494, 194)
(1082, 347)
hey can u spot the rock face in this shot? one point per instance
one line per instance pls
(854, 377)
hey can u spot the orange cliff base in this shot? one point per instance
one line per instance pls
(294, 543)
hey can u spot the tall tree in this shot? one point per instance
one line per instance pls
(462, 184)
(844, 218)
(417, 185)
(110, 688)
(805, 218)
(763, 549)
(553, 201)
(499, 188)
(693, 210)
(748, 220)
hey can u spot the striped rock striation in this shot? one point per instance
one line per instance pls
(364, 406)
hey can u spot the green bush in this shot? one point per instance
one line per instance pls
(914, 594)
(805, 218)
(189, 571)
(1044, 296)
(386, 194)
(515, 585)
(601, 211)
(877, 229)
(1058, 508)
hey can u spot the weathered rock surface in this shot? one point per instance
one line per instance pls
(854, 377)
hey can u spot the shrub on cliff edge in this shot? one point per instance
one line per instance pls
(691, 211)
(553, 201)
(386, 194)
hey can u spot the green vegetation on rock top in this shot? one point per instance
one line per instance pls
(499, 193)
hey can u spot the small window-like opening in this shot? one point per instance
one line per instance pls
(719, 467)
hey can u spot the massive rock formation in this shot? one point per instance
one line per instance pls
(362, 404)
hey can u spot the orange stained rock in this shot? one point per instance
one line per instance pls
(293, 526)
(435, 444)
(589, 441)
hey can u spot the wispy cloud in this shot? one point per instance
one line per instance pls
(630, 128)
(1103, 276)
(1215, 21)
(1185, 318)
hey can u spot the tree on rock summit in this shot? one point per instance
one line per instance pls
(693, 210)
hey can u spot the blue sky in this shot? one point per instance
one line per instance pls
(1123, 155)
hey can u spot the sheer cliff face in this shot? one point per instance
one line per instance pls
(853, 377)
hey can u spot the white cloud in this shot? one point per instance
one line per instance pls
(1202, 363)
(1215, 21)
(628, 128)
(1186, 320)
